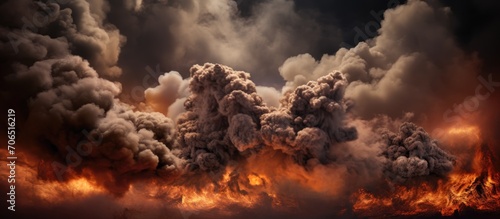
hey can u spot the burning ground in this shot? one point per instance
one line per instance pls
(343, 136)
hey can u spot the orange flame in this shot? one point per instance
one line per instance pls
(478, 188)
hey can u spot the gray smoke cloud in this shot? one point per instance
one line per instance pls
(310, 119)
(76, 99)
(65, 66)
(172, 34)
(53, 30)
(144, 141)
(49, 29)
(221, 118)
(385, 73)
(89, 37)
(411, 152)
(172, 91)
(225, 119)
(63, 53)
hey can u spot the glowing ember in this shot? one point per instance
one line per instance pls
(470, 131)
(255, 180)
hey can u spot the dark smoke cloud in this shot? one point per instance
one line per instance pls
(172, 91)
(37, 31)
(310, 119)
(412, 153)
(70, 23)
(223, 103)
(65, 66)
(58, 62)
(226, 119)
(66, 62)
(76, 99)
(137, 141)
(89, 37)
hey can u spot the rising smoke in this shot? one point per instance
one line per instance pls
(387, 72)
(412, 153)
(328, 114)
(223, 103)
(225, 120)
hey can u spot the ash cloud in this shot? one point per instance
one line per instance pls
(42, 30)
(130, 142)
(310, 119)
(222, 103)
(254, 36)
(411, 152)
(66, 68)
(226, 119)
(385, 73)
(64, 63)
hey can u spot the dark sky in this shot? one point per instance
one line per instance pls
(474, 23)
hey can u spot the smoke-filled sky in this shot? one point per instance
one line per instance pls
(317, 99)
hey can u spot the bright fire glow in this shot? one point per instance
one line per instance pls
(255, 180)
(57, 191)
(478, 188)
(468, 131)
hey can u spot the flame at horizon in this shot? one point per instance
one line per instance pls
(478, 188)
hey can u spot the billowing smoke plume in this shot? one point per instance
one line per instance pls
(76, 99)
(226, 119)
(222, 116)
(49, 29)
(74, 102)
(412, 153)
(66, 64)
(171, 92)
(387, 72)
(310, 120)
